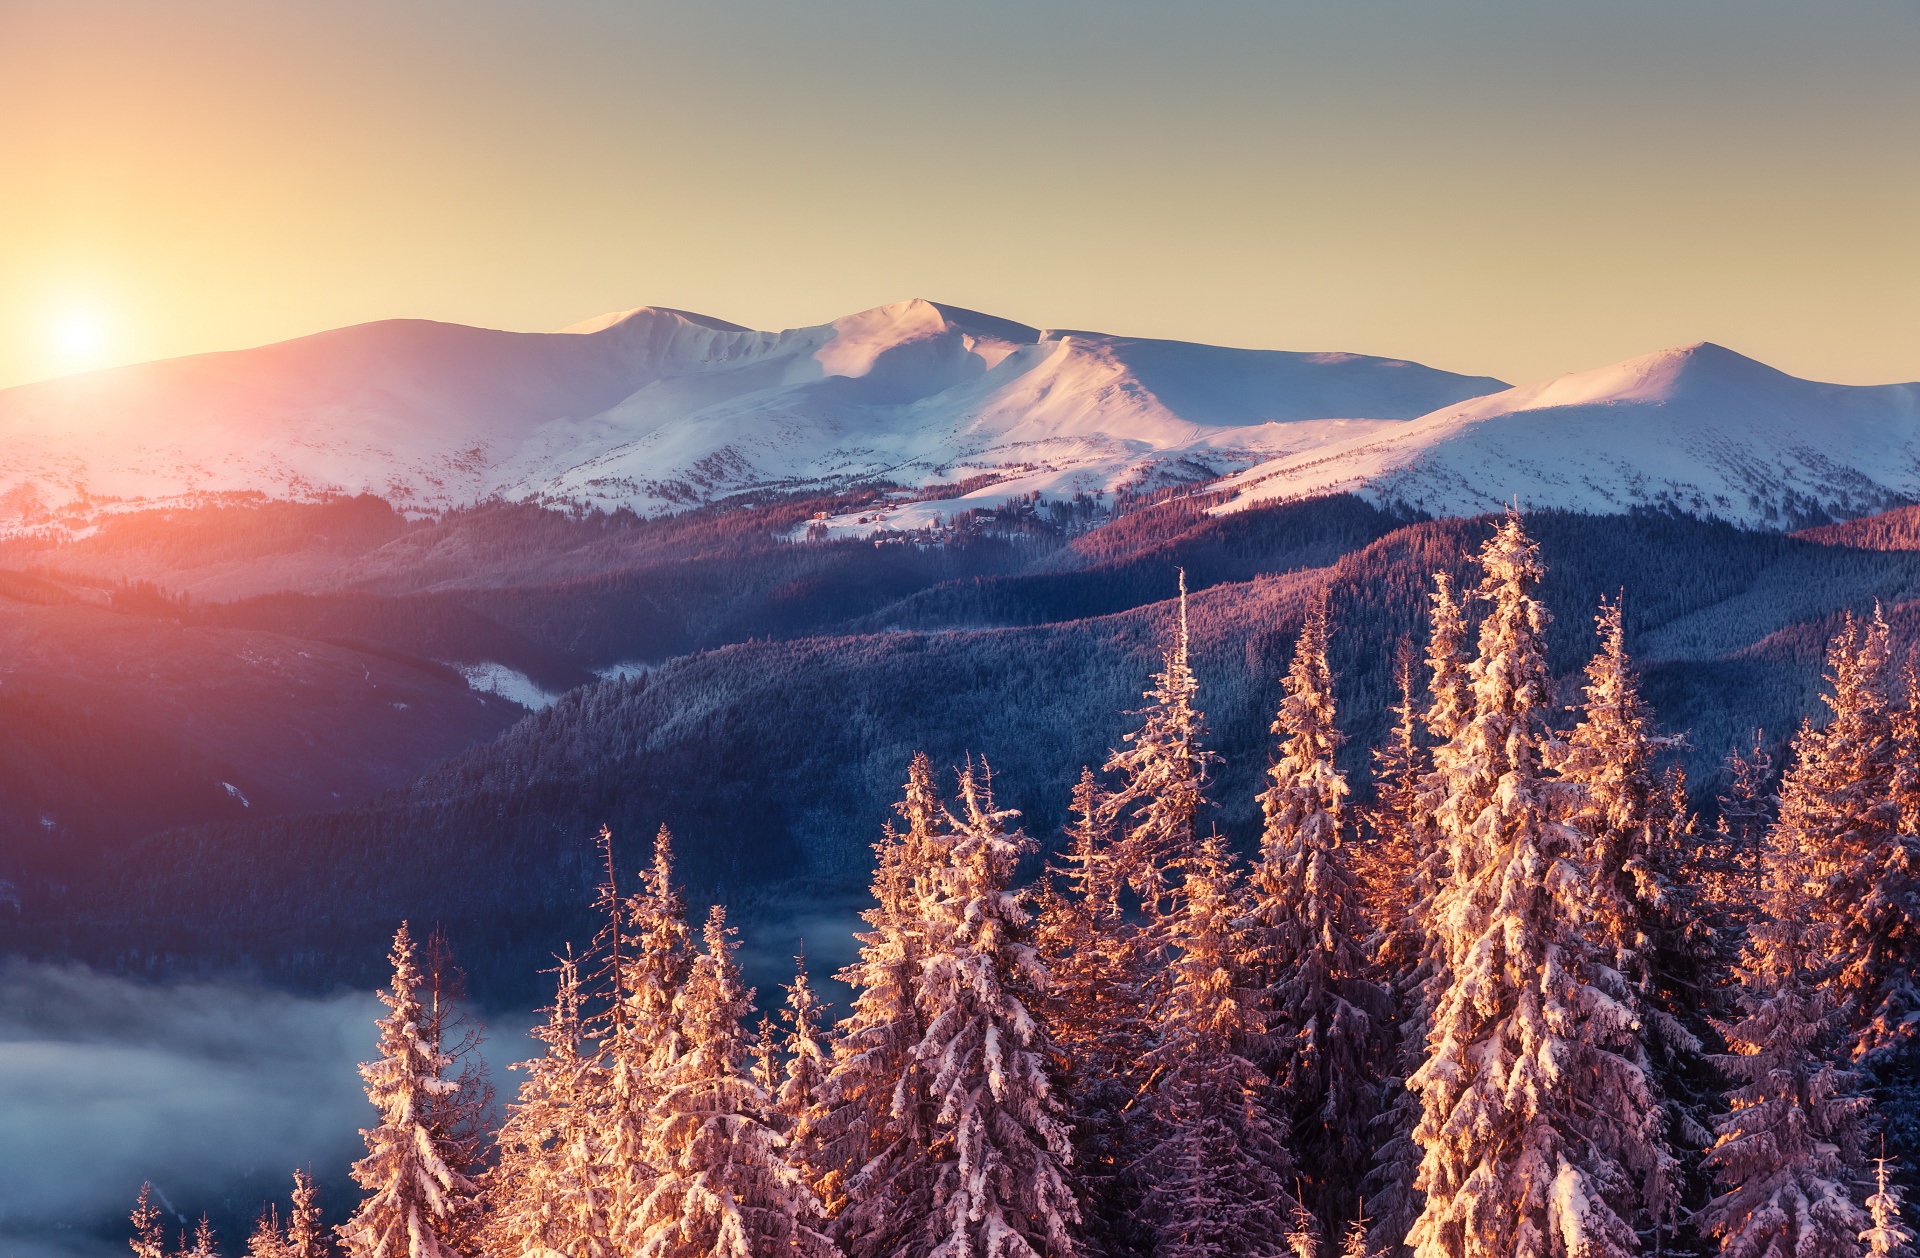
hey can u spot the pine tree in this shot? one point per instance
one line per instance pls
(1356, 1244)
(544, 1192)
(1789, 1149)
(1888, 1237)
(1745, 817)
(1216, 1170)
(203, 1243)
(766, 1068)
(801, 1090)
(1420, 961)
(1645, 922)
(876, 1122)
(305, 1236)
(646, 952)
(1000, 1155)
(1837, 808)
(149, 1240)
(267, 1241)
(1391, 866)
(412, 1194)
(1156, 812)
(725, 1187)
(1903, 728)
(1540, 1134)
(1095, 1017)
(1304, 924)
(460, 1120)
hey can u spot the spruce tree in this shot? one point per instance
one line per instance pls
(1164, 771)
(306, 1238)
(1304, 928)
(1788, 1152)
(876, 1122)
(149, 1238)
(203, 1243)
(803, 1086)
(1745, 817)
(1540, 1133)
(413, 1196)
(1096, 1018)
(1419, 956)
(1643, 917)
(266, 1240)
(1000, 1156)
(725, 1187)
(543, 1194)
(1837, 808)
(646, 952)
(1888, 1237)
(1216, 1171)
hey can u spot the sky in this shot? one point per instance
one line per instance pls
(1509, 187)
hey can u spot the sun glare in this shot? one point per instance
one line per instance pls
(78, 339)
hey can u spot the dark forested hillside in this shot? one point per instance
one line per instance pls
(775, 760)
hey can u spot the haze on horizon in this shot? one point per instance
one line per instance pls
(1491, 187)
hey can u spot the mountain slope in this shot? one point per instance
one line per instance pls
(1700, 429)
(775, 762)
(658, 409)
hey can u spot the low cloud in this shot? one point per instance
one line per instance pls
(208, 1090)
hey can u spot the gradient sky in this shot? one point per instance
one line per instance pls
(1520, 187)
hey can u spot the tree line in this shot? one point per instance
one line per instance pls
(1523, 1006)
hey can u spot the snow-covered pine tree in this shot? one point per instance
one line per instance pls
(1096, 1019)
(1419, 979)
(1000, 1185)
(798, 1100)
(1449, 661)
(1303, 931)
(1390, 865)
(766, 1069)
(1903, 727)
(1642, 916)
(1788, 1153)
(724, 1187)
(1888, 1237)
(459, 1118)
(306, 1238)
(1540, 1132)
(1837, 807)
(203, 1243)
(1164, 770)
(1216, 1171)
(1611, 755)
(647, 951)
(149, 1238)
(267, 1240)
(1356, 1244)
(543, 1193)
(1746, 814)
(412, 1194)
(876, 1122)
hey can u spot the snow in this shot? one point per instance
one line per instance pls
(508, 683)
(658, 410)
(1699, 428)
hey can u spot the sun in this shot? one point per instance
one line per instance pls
(78, 338)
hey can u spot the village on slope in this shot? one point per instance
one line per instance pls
(1523, 1006)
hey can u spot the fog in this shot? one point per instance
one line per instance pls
(213, 1091)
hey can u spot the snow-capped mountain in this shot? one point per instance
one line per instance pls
(659, 409)
(1701, 429)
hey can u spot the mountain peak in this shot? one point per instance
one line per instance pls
(615, 318)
